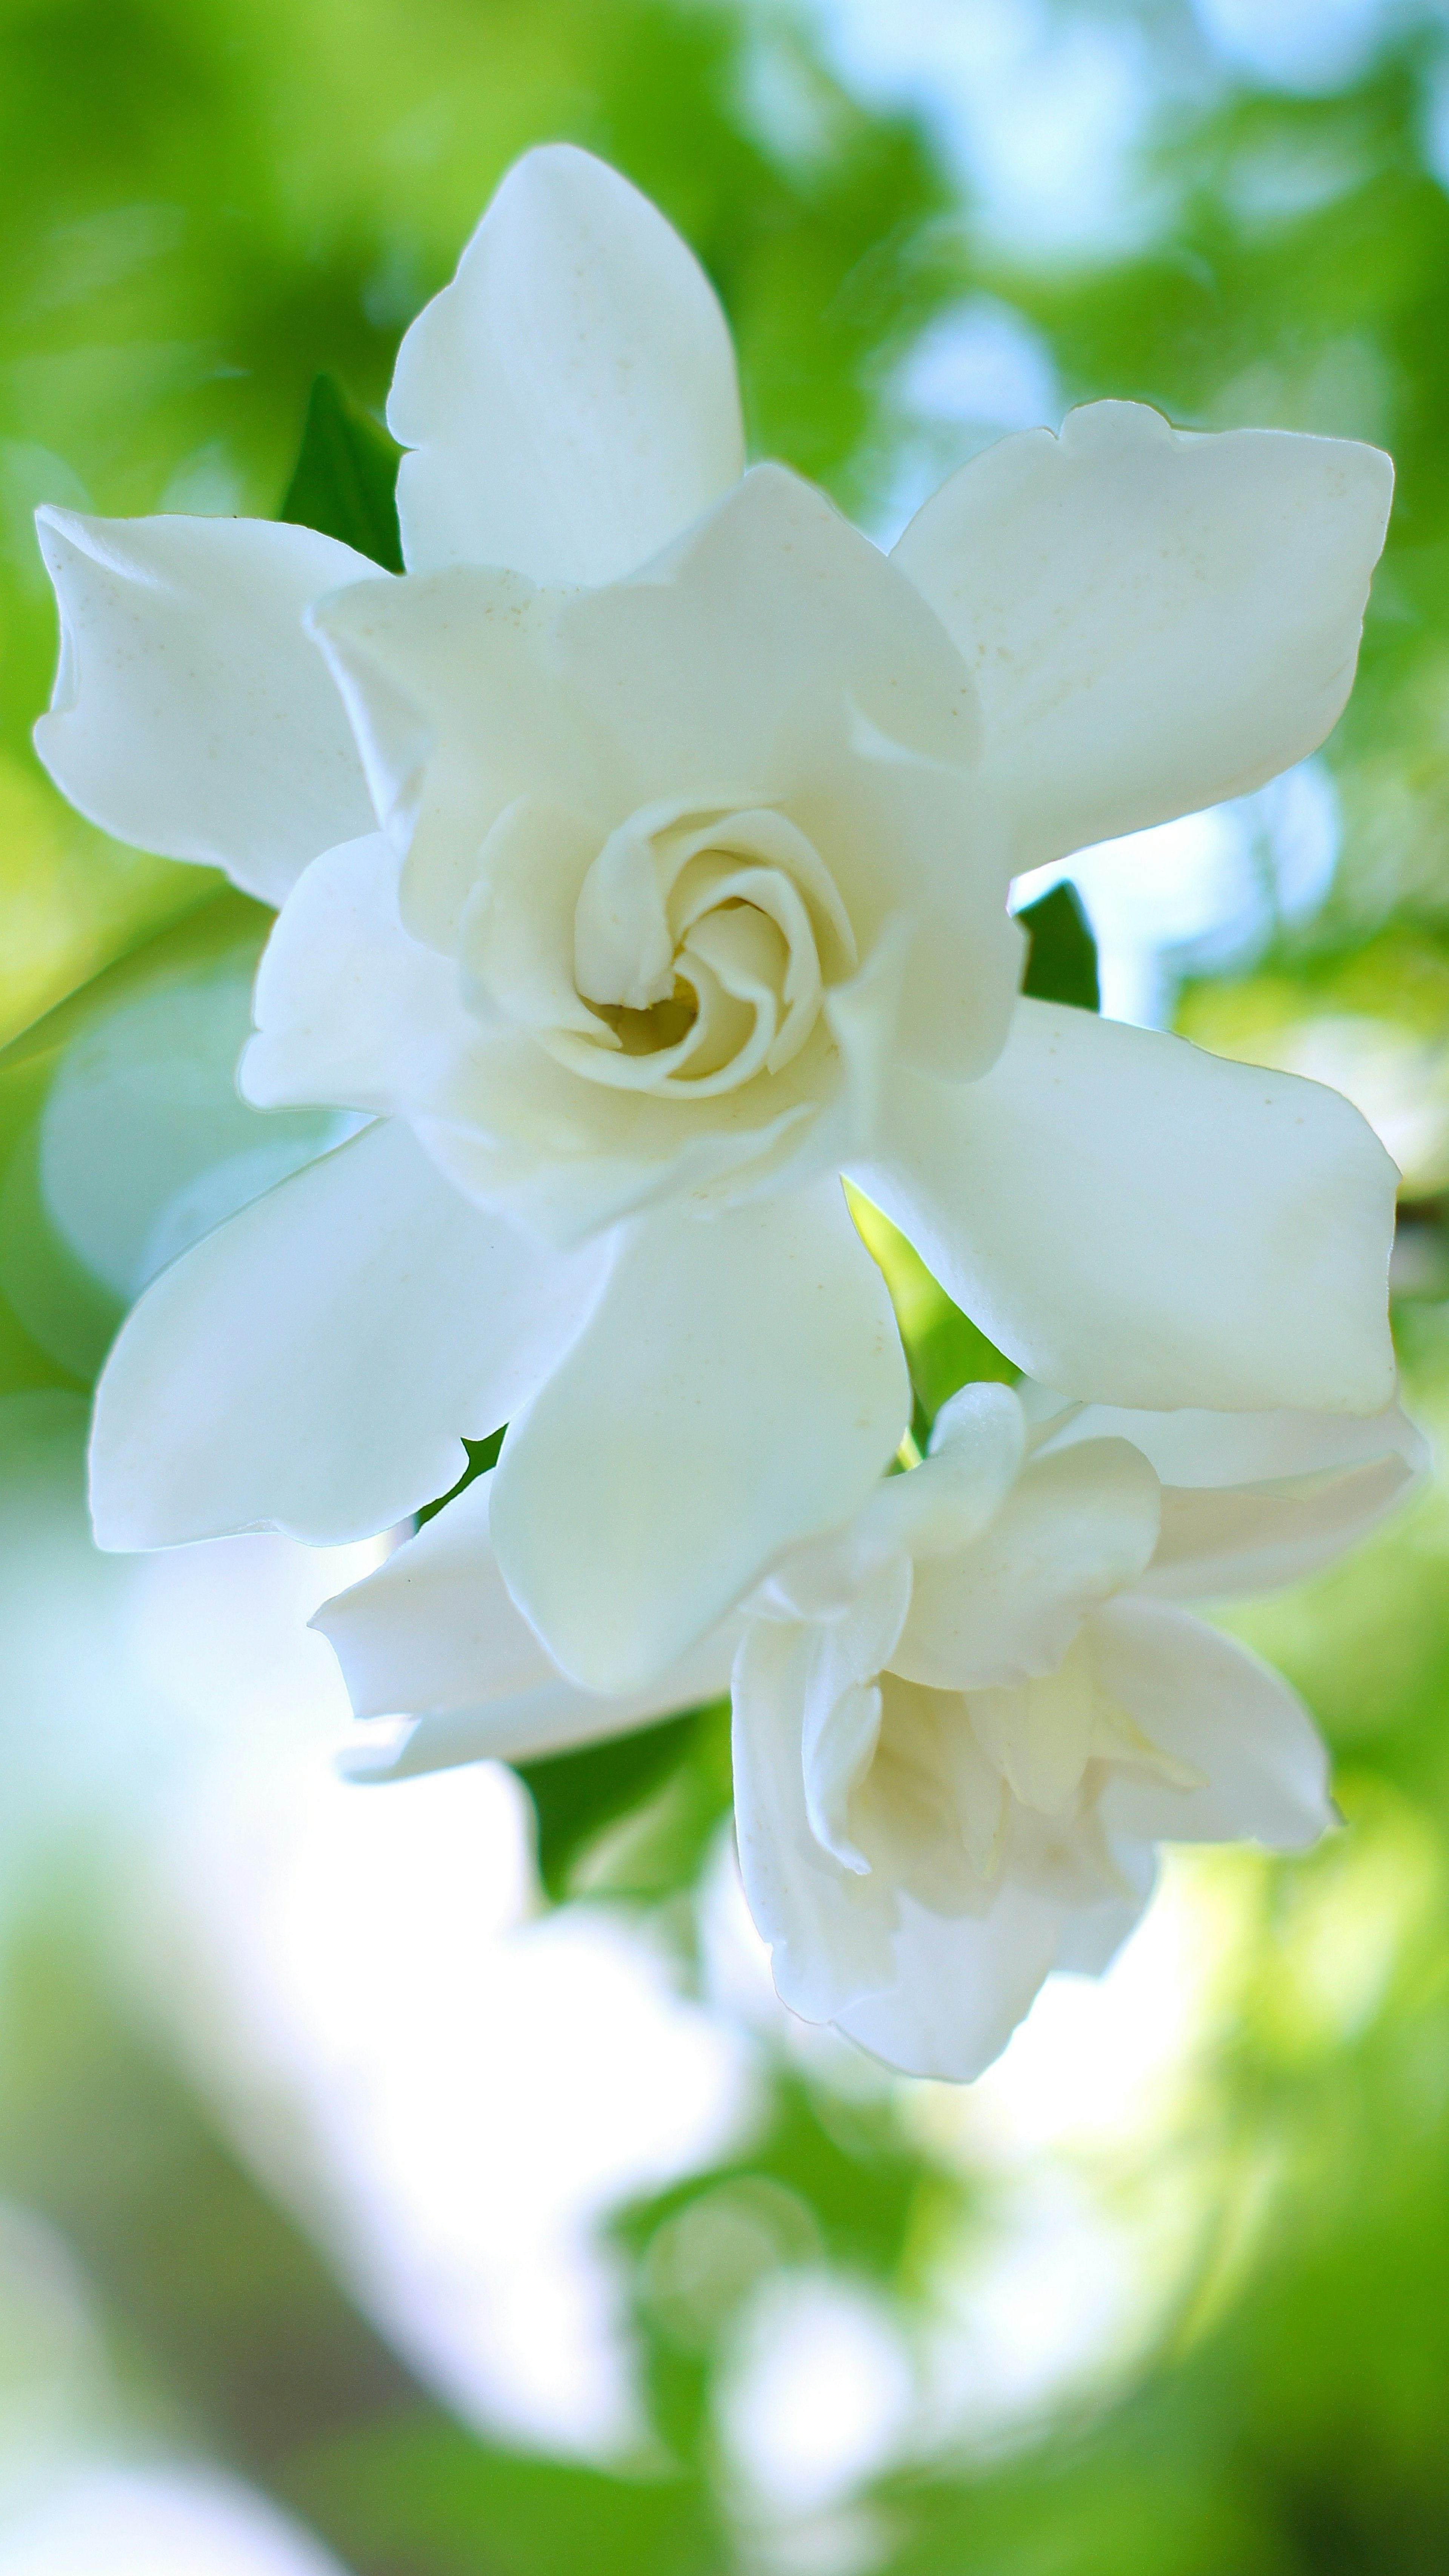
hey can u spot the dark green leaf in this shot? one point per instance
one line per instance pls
(344, 480)
(673, 1770)
(482, 1454)
(1061, 957)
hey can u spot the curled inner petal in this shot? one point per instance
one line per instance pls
(687, 952)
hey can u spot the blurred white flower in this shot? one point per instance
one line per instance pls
(643, 855)
(963, 1721)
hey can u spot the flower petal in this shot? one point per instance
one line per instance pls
(829, 1929)
(450, 684)
(1155, 619)
(1207, 1703)
(1077, 1526)
(348, 1008)
(311, 1365)
(961, 1984)
(570, 399)
(191, 715)
(1131, 1219)
(1193, 1448)
(1229, 1539)
(740, 1385)
(695, 669)
(1254, 1500)
(436, 1629)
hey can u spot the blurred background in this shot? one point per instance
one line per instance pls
(423, 2181)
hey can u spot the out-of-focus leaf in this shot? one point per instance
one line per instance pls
(72, 900)
(1061, 956)
(632, 1815)
(153, 1145)
(868, 2194)
(432, 2502)
(344, 479)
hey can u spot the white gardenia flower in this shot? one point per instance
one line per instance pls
(964, 1722)
(642, 856)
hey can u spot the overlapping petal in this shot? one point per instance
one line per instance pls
(740, 1385)
(1134, 1220)
(1216, 1709)
(1154, 619)
(191, 715)
(960, 1984)
(435, 1630)
(829, 1928)
(311, 1365)
(1076, 1527)
(570, 399)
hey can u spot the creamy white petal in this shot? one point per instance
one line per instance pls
(1154, 619)
(978, 1443)
(435, 1626)
(1077, 1526)
(554, 1718)
(740, 1385)
(312, 1365)
(1191, 1447)
(1229, 1539)
(962, 1983)
(694, 669)
(564, 1156)
(191, 713)
(828, 1928)
(435, 1629)
(1131, 1219)
(1209, 1704)
(570, 399)
(458, 709)
(348, 1007)
(907, 833)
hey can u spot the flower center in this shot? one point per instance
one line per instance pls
(704, 938)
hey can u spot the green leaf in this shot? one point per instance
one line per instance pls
(436, 2502)
(1061, 957)
(344, 480)
(671, 1782)
(482, 1454)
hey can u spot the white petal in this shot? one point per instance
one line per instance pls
(905, 832)
(1209, 1704)
(1154, 620)
(349, 1008)
(435, 1629)
(962, 1983)
(1077, 1526)
(694, 669)
(1229, 1539)
(435, 1626)
(741, 1384)
(458, 710)
(311, 1366)
(978, 1443)
(1195, 1448)
(1134, 1220)
(554, 1718)
(571, 397)
(829, 1929)
(191, 713)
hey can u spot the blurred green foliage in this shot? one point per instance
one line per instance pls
(203, 206)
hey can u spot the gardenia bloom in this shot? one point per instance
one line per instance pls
(964, 1722)
(642, 856)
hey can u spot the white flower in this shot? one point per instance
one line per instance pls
(642, 856)
(963, 1723)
